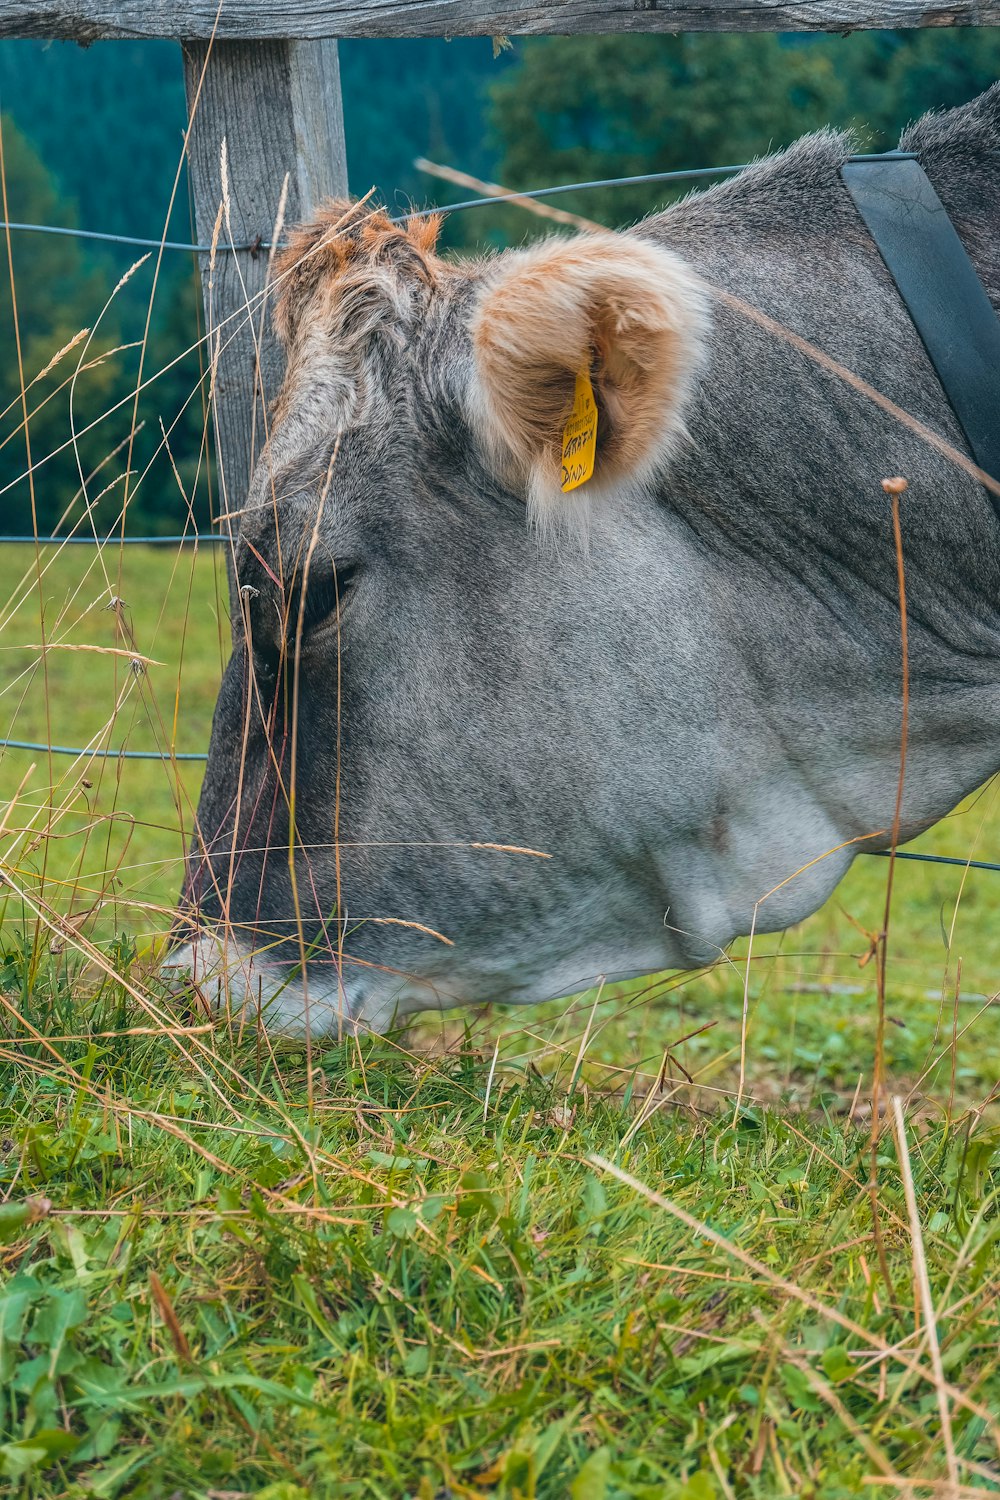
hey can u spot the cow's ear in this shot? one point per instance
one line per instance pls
(613, 310)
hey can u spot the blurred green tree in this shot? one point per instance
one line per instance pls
(579, 108)
(906, 73)
(60, 288)
(56, 296)
(572, 109)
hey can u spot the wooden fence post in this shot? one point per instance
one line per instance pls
(277, 105)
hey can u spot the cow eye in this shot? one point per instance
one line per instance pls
(326, 588)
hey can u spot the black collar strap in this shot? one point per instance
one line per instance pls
(942, 293)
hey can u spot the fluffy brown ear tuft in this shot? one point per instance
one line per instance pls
(632, 314)
(346, 239)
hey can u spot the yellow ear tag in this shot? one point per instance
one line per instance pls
(579, 445)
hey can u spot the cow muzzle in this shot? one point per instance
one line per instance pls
(292, 999)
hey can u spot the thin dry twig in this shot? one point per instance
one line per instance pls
(924, 1287)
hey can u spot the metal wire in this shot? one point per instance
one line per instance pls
(935, 859)
(97, 754)
(687, 174)
(690, 175)
(117, 239)
(188, 540)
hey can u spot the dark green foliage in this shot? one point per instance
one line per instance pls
(62, 287)
(573, 109)
(589, 107)
(404, 99)
(909, 72)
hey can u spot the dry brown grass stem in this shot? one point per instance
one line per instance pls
(894, 488)
(293, 771)
(146, 661)
(205, 1029)
(956, 1036)
(12, 804)
(493, 190)
(415, 926)
(938, 1489)
(829, 1396)
(134, 426)
(489, 1080)
(508, 849)
(860, 838)
(59, 355)
(166, 1309)
(922, 1279)
(208, 1215)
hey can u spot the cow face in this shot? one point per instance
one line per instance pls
(430, 779)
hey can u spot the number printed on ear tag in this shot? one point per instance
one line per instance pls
(579, 448)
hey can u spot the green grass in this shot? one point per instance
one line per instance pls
(393, 1267)
(128, 821)
(411, 1289)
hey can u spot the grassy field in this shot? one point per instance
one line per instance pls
(128, 818)
(412, 1266)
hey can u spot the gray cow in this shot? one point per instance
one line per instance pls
(680, 682)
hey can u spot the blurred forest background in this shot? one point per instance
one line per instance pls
(92, 138)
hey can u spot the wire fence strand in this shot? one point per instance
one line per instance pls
(254, 247)
(170, 755)
(688, 174)
(189, 539)
(83, 751)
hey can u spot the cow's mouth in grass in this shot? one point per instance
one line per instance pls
(324, 996)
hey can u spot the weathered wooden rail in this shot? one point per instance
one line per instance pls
(262, 76)
(316, 20)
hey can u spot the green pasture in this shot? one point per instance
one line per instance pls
(127, 822)
(406, 1267)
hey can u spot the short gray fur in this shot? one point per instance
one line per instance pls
(278, 107)
(245, 20)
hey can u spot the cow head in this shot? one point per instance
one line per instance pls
(429, 778)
